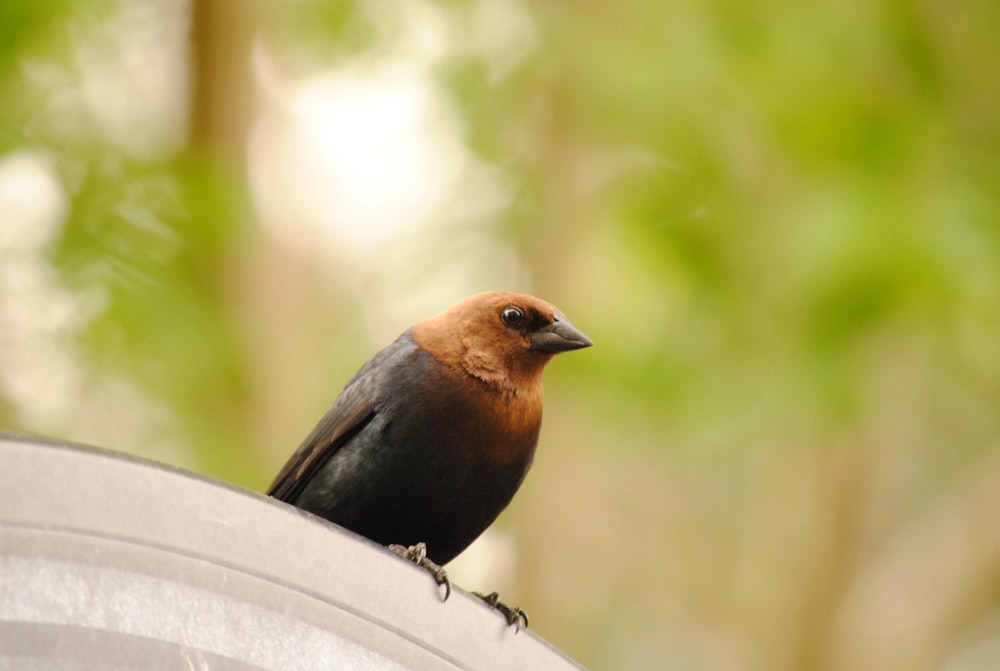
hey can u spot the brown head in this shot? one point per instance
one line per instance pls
(504, 339)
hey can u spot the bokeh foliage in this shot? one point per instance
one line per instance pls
(779, 222)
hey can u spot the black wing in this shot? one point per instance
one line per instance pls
(350, 413)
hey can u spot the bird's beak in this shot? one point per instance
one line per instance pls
(559, 336)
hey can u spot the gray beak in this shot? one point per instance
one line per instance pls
(559, 336)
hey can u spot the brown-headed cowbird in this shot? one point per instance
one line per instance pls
(430, 440)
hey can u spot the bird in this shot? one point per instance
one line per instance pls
(429, 441)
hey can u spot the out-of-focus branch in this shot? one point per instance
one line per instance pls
(221, 84)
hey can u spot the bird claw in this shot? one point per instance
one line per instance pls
(418, 555)
(514, 615)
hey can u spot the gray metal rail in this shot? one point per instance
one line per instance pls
(108, 561)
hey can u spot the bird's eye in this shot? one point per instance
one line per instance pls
(512, 315)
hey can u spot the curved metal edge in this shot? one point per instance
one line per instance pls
(60, 485)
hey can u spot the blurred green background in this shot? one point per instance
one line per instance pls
(779, 222)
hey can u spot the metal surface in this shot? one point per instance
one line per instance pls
(110, 562)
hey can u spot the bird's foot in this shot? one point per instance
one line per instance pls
(514, 615)
(418, 555)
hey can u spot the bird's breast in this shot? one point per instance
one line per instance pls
(480, 423)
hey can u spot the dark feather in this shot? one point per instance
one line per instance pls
(353, 409)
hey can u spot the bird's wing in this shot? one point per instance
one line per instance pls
(349, 414)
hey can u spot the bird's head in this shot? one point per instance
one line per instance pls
(501, 338)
